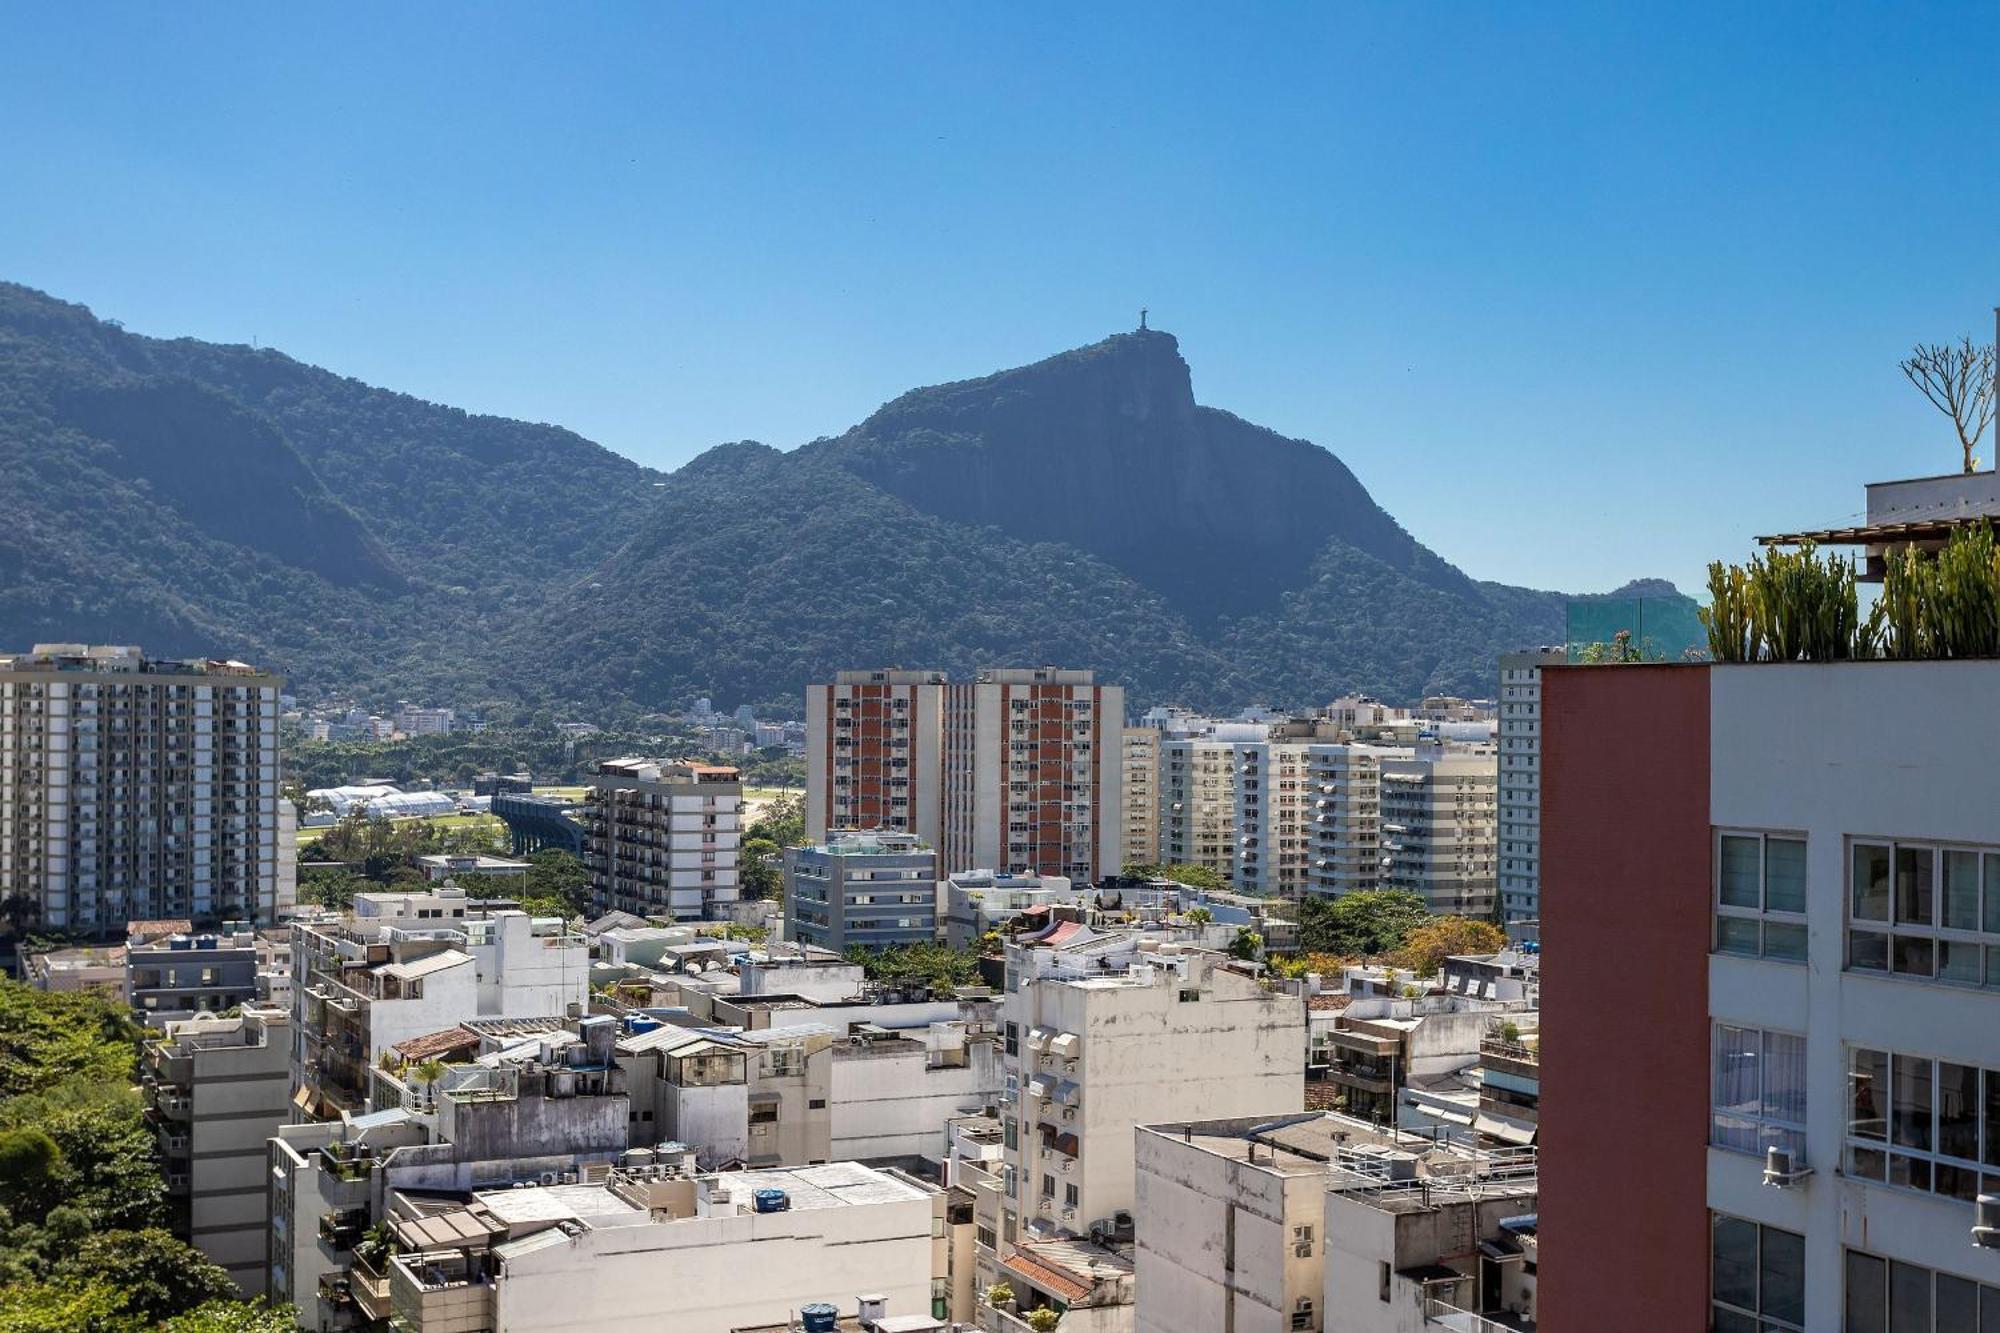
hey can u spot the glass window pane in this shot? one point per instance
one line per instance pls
(1961, 890)
(1737, 877)
(1993, 1117)
(1958, 1182)
(1959, 961)
(1914, 955)
(1784, 1078)
(1992, 913)
(1867, 1164)
(1909, 1299)
(1734, 1267)
(1958, 1111)
(1737, 934)
(1787, 941)
(1910, 1103)
(1989, 1310)
(1868, 1094)
(1867, 951)
(1781, 1276)
(1867, 1294)
(1785, 875)
(1916, 899)
(1911, 1173)
(1870, 895)
(1993, 965)
(1732, 1321)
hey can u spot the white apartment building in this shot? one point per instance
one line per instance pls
(412, 721)
(661, 839)
(1018, 768)
(1303, 1223)
(1346, 815)
(216, 1088)
(1521, 781)
(1139, 758)
(408, 964)
(1198, 796)
(1107, 1032)
(1439, 819)
(661, 1249)
(1273, 811)
(133, 787)
(976, 901)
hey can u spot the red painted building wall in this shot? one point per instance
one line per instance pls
(1624, 1055)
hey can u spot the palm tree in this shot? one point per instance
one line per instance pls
(428, 1074)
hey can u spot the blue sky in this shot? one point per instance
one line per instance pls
(1582, 293)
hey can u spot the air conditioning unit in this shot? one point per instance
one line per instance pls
(1780, 1172)
(1986, 1222)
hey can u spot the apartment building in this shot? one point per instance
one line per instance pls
(1346, 815)
(1439, 819)
(138, 787)
(1274, 794)
(1139, 761)
(1105, 1032)
(540, 1105)
(216, 1089)
(177, 975)
(870, 889)
(1298, 1223)
(1198, 796)
(407, 964)
(1796, 899)
(1019, 768)
(976, 901)
(667, 1249)
(661, 839)
(1521, 781)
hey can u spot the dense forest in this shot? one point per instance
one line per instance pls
(224, 500)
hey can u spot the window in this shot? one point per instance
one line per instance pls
(1923, 1124)
(1013, 1037)
(1757, 1091)
(1069, 1196)
(1048, 1186)
(1302, 1314)
(1882, 1296)
(1760, 896)
(1924, 912)
(1757, 1277)
(1382, 1276)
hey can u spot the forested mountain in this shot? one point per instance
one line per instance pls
(1084, 510)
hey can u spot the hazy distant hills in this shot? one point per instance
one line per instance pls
(1084, 510)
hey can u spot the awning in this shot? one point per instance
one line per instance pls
(1504, 1250)
(1507, 1130)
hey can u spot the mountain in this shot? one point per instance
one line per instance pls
(1086, 510)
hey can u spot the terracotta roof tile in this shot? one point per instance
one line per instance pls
(433, 1044)
(1049, 1278)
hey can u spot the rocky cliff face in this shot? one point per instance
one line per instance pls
(1105, 448)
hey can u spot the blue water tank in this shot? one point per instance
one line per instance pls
(819, 1317)
(769, 1201)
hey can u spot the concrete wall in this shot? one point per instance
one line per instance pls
(1625, 874)
(887, 1104)
(718, 1274)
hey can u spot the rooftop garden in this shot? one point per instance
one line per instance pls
(1802, 606)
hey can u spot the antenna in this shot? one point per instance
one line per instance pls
(1142, 318)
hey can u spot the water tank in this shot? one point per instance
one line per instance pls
(633, 1158)
(637, 1023)
(769, 1201)
(819, 1317)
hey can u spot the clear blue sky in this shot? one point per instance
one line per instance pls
(1581, 293)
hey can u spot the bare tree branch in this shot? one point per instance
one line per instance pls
(1958, 381)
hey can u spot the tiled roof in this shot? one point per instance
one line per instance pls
(1047, 1277)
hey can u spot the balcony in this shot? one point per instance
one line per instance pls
(1439, 1314)
(341, 1227)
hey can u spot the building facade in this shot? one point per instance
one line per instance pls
(133, 787)
(661, 839)
(874, 890)
(1521, 782)
(216, 1089)
(1017, 769)
(1346, 815)
(1806, 926)
(1139, 759)
(1439, 819)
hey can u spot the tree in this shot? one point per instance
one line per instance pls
(758, 868)
(1958, 381)
(31, 1166)
(1199, 916)
(783, 821)
(158, 1276)
(427, 1076)
(1182, 872)
(233, 1317)
(1043, 1319)
(1426, 947)
(1248, 946)
(1373, 921)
